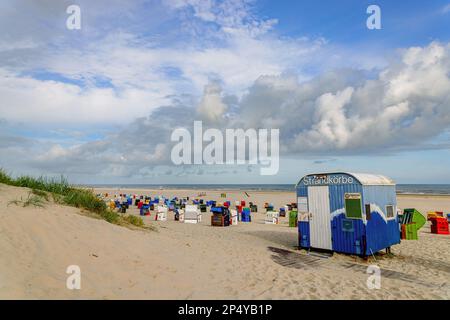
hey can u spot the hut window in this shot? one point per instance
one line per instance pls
(389, 211)
(353, 205)
(367, 211)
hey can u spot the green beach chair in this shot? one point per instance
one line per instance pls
(413, 220)
(411, 231)
(414, 216)
(293, 216)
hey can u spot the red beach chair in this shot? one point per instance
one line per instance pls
(439, 225)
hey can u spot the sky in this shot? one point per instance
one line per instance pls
(99, 104)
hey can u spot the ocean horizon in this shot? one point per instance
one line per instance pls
(438, 189)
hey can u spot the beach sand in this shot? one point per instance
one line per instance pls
(185, 261)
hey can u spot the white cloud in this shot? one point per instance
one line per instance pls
(148, 85)
(406, 105)
(138, 70)
(232, 17)
(31, 101)
(333, 114)
(211, 107)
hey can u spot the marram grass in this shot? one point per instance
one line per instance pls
(31, 200)
(63, 193)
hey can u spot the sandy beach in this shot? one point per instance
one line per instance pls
(185, 261)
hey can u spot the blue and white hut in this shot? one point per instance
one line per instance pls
(347, 212)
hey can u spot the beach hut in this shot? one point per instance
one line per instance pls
(347, 212)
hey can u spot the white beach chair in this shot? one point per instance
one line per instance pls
(234, 217)
(192, 214)
(161, 213)
(271, 217)
(181, 213)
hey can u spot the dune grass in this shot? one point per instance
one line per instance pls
(63, 193)
(40, 193)
(5, 178)
(32, 200)
(136, 221)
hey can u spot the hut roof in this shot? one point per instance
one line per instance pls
(364, 178)
(372, 179)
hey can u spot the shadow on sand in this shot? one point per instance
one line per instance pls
(286, 238)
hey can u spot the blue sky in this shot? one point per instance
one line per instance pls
(405, 23)
(99, 104)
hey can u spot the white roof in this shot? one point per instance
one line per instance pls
(366, 178)
(372, 179)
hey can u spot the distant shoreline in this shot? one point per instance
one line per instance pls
(423, 194)
(224, 189)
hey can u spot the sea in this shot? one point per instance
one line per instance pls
(436, 189)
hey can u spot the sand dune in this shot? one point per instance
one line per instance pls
(182, 261)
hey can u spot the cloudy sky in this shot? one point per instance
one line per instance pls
(99, 104)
